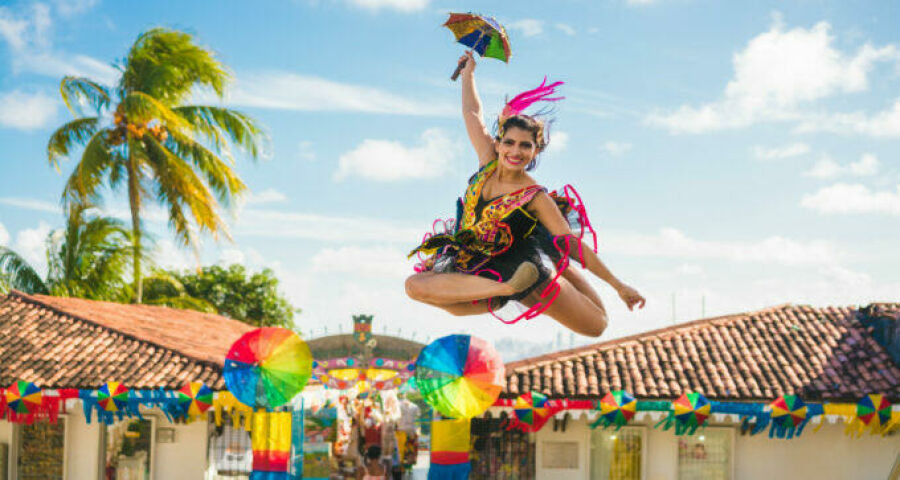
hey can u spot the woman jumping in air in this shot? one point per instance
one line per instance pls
(511, 240)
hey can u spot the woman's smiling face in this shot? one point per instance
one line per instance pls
(517, 148)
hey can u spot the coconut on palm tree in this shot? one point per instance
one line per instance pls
(90, 258)
(146, 137)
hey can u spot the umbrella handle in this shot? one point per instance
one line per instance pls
(462, 64)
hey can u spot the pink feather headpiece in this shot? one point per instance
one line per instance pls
(520, 102)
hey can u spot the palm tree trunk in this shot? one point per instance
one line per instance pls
(134, 201)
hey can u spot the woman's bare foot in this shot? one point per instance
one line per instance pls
(524, 277)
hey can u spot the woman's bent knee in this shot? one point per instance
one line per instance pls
(415, 288)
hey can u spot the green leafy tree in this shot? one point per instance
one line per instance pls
(158, 147)
(232, 291)
(90, 258)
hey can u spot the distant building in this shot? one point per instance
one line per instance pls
(820, 354)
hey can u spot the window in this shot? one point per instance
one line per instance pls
(617, 455)
(129, 449)
(500, 454)
(42, 450)
(706, 455)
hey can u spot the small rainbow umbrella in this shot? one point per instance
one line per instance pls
(482, 34)
(532, 409)
(267, 367)
(788, 411)
(195, 398)
(112, 397)
(617, 408)
(691, 410)
(459, 375)
(23, 397)
(874, 409)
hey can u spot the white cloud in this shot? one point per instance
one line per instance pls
(171, 256)
(305, 151)
(399, 5)
(269, 195)
(826, 167)
(329, 228)
(559, 141)
(28, 32)
(31, 204)
(781, 152)
(386, 160)
(670, 242)
(882, 124)
(565, 28)
(4, 235)
(31, 244)
(372, 261)
(529, 27)
(26, 111)
(291, 91)
(73, 7)
(230, 256)
(615, 149)
(852, 198)
(777, 73)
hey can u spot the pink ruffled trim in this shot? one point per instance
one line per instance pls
(563, 248)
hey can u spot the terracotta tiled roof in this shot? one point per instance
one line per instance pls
(819, 353)
(60, 342)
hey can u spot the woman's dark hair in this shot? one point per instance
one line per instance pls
(373, 452)
(530, 124)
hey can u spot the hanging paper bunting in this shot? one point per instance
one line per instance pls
(788, 411)
(112, 397)
(195, 398)
(689, 412)
(532, 411)
(874, 410)
(270, 439)
(23, 397)
(616, 409)
(450, 445)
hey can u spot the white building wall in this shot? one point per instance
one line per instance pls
(82, 448)
(185, 459)
(827, 454)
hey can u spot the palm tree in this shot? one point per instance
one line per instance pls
(89, 259)
(163, 149)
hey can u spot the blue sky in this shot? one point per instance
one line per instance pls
(732, 155)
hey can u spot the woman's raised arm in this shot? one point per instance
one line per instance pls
(472, 114)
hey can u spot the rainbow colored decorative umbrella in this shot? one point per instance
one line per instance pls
(23, 397)
(195, 398)
(459, 375)
(874, 409)
(788, 411)
(617, 408)
(112, 397)
(691, 410)
(267, 367)
(532, 409)
(484, 35)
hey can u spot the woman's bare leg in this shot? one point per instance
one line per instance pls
(466, 308)
(581, 284)
(441, 289)
(574, 310)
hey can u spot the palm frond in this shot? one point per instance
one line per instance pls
(77, 91)
(76, 132)
(214, 123)
(167, 65)
(85, 181)
(18, 274)
(178, 186)
(142, 108)
(219, 174)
